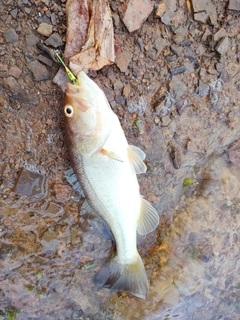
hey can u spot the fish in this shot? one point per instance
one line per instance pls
(106, 167)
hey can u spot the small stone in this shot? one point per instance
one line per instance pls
(178, 70)
(220, 34)
(120, 100)
(123, 60)
(165, 18)
(31, 40)
(203, 89)
(113, 104)
(177, 88)
(12, 83)
(10, 36)
(160, 10)
(54, 40)
(156, 120)
(234, 5)
(27, 10)
(178, 38)
(159, 44)
(30, 183)
(140, 43)
(118, 85)
(3, 70)
(45, 60)
(53, 19)
(127, 90)
(200, 50)
(109, 94)
(116, 20)
(135, 12)
(222, 46)
(39, 71)
(45, 29)
(177, 50)
(201, 17)
(14, 13)
(15, 72)
(165, 121)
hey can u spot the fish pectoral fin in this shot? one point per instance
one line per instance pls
(136, 157)
(148, 219)
(111, 154)
(129, 277)
(72, 179)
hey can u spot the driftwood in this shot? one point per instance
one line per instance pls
(90, 37)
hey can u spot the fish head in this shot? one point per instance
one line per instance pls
(87, 115)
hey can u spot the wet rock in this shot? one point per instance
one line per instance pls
(31, 40)
(54, 40)
(39, 71)
(135, 12)
(45, 60)
(30, 184)
(234, 5)
(62, 191)
(123, 60)
(15, 72)
(234, 153)
(10, 36)
(45, 29)
(177, 88)
(222, 46)
(203, 9)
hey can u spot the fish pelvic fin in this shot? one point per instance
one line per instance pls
(148, 219)
(128, 277)
(72, 179)
(136, 157)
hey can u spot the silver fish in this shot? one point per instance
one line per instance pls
(106, 167)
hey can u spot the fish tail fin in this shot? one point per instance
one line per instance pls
(129, 277)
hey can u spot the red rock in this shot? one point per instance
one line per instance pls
(135, 12)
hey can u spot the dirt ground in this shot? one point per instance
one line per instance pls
(178, 99)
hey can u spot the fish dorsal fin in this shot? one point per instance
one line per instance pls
(73, 181)
(148, 219)
(111, 154)
(136, 157)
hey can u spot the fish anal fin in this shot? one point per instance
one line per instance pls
(136, 157)
(129, 277)
(148, 219)
(111, 154)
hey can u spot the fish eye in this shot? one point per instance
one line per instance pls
(68, 111)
